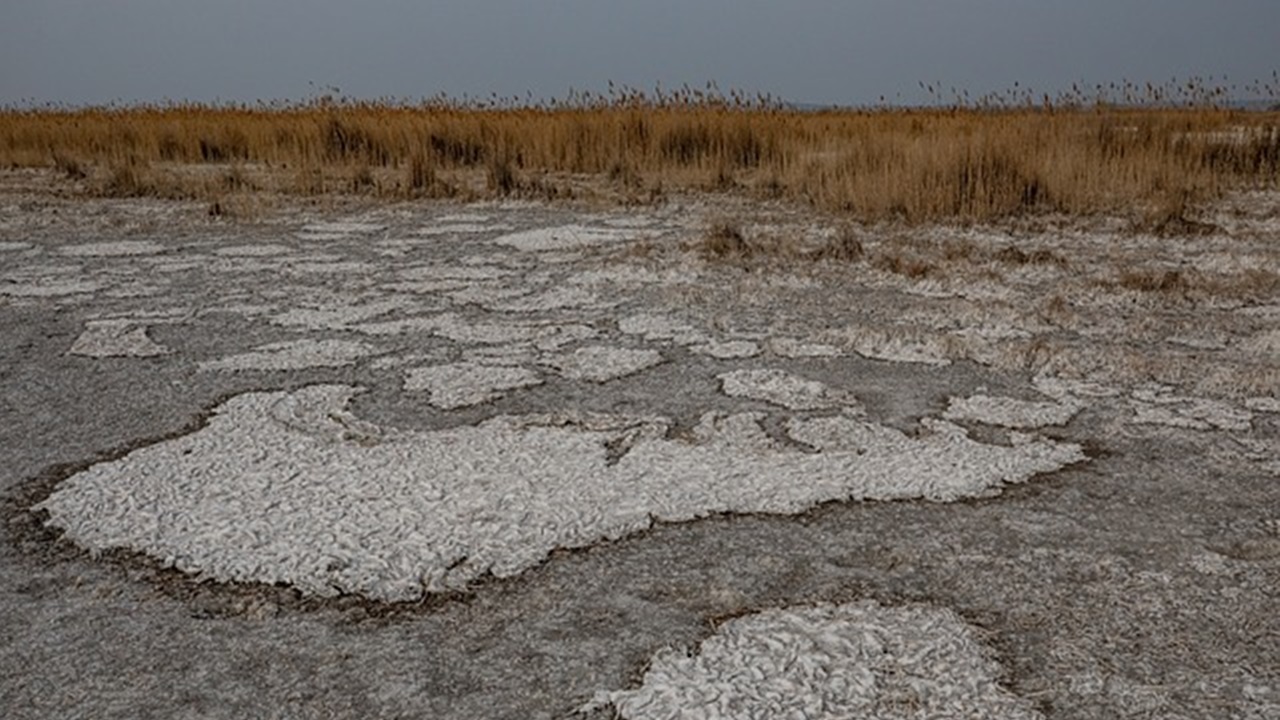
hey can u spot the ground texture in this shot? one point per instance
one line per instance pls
(518, 461)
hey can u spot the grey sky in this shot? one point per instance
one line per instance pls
(822, 51)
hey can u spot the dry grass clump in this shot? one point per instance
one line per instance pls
(724, 240)
(975, 163)
(1252, 284)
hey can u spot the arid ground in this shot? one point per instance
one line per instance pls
(508, 459)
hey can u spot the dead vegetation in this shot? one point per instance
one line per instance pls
(963, 164)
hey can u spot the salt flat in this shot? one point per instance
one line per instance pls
(512, 460)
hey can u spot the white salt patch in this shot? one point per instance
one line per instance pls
(14, 246)
(658, 327)
(288, 487)
(116, 338)
(633, 276)
(339, 316)
(457, 229)
(174, 265)
(513, 354)
(264, 250)
(424, 287)
(565, 237)
(553, 299)
(487, 294)
(458, 329)
(884, 345)
(462, 384)
(118, 248)
(1265, 343)
(133, 289)
(1065, 390)
(1264, 312)
(243, 309)
(294, 355)
(49, 287)
(337, 230)
(1198, 342)
(353, 268)
(1009, 412)
(1263, 404)
(463, 218)
(554, 337)
(727, 350)
(600, 363)
(792, 348)
(993, 332)
(858, 660)
(782, 388)
(391, 362)
(630, 222)
(1159, 406)
(454, 272)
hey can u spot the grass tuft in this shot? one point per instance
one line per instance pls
(724, 241)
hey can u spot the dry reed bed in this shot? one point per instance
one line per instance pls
(915, 165)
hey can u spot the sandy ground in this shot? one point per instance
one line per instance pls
(521, 461)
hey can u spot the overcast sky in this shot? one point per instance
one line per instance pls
(817, 51)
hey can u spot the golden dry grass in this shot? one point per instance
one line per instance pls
(968, 164)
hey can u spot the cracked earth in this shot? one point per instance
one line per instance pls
(527, 461)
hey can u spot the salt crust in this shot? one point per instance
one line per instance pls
(783, 388)
(513, 354)
(554, 299)
(487, 294)
(264, 250)
(118, 248)
(792, 348)
(1265, 343)
(728, 350)
(1009, 412)
(459, 385)
(632, 276)
(1263, 404)
(337, 230)
(458, 329)
(464, 217)
(659, 327)
(454, 272)
(601, 363)
(1065, 390)
(565, 237)
(49, 287)
(116, 338)
(294, 355)
(886, 345)
(340, 315)
(459, 228)
(859, 660)
(352, 268)
(1158, 405)
(330, 505)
